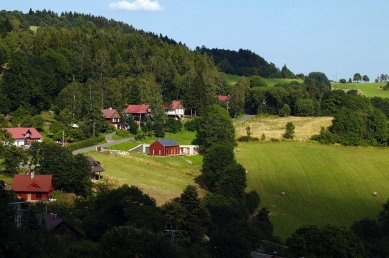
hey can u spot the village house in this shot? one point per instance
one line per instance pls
(33, 187)
(175, 110)
(139, 112)
(113, 117)
(95, 168)
(24, 136)
(225, 99)
(60, 227)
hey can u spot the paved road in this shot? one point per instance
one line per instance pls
(246, 117)
(109, 142)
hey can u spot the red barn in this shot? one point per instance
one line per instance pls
(167, 147)
(33, 187)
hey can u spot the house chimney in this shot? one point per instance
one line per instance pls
(18, 125)
(110, 108)
(32, 175)
(275, 255)
(51, 215)
(54, 215)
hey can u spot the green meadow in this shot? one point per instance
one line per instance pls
(323, 184)
(163, 178)
(232, 79)
(368, 89)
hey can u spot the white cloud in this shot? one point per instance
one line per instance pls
(137, 5)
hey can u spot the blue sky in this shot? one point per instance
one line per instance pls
(336, 37)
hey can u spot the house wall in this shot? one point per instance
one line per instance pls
(157, 149)
(31, 196)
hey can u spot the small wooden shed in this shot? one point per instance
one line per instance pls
(166, 147)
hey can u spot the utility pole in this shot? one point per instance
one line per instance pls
(18, 215)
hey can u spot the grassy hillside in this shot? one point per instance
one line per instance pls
(232, 78)
(369, 89)
(323, 184)
(163, 178)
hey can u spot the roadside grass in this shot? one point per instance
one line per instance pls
(163, 178)
(368, 89)
(274, 127)
(323, 184)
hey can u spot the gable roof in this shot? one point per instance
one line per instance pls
(168, 142)
(175, 104)
(223, 98)
(20, 132)
(51, 222)
(109, 112)
(137, 109)
(96, 167)
(39, 183)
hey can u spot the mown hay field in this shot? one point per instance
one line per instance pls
(323, 184)
(163, 178)
(274, 128)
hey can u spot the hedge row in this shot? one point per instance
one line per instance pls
(86, 143)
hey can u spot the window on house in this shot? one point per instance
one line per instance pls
(39, 196)
(113, 119)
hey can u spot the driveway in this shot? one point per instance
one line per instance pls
(109, 142)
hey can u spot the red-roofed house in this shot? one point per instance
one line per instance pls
(139, 112)
(33, 187)
(225, 99)
(175, 109)
(24, 135)
(113, 117)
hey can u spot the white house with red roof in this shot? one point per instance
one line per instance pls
(113, 117)
(24, 136)
(33, 187)
(139, 112)
(175, 109)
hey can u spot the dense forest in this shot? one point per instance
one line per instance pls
(246, 63)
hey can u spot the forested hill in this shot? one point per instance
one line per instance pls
(246, 63)
(77, 63)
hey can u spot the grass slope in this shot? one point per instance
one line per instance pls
(163, 178)
(369, 89)
(323, 184)
(233, 78)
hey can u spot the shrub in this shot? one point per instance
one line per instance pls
(86, 143)
(122, 133)
(289, 131)
(192, 124)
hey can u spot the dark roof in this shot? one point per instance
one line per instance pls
(51, 222)
(168, 142)
(37, 183)
(96, 167)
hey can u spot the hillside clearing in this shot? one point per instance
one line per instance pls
(305, 127)
(163, 178)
